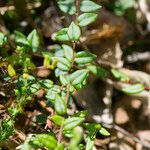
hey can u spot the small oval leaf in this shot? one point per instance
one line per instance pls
(86, 19)
(78, 76)
(47, 140)
(134, 89)
(74, 32)
(89, 6)
(73, 122)
(60, 105)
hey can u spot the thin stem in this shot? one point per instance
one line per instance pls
(77, 11)
(74, 44)
(73, 57)
(60, 131)
(62, 124)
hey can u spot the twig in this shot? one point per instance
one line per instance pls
(60, 131)
(48, 109)
(73, 57)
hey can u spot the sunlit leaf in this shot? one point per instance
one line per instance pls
(67, 6)
(78, 76)
(73, 122)
(11, 71)
(46, 83)
(62, 35)
(84, 57)
(60, 105)
(104, 132)
(68, 52)
(119, 75)
(57, 119)
(21, 39)
(74, 32)
(134, 89)
(98, 71)
(47, 140)
(89, 6)
(86, 19)
(34, 40)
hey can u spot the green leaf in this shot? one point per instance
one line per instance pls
(64, 80)
(67, 6)
(62, 35)
(47, 140)
(68, 52)
(57, 119)
(3, 39)
(89, 6)
(119, 75)
(21, 39)
(60, 105)
(86, 19)
(63, 63)
(84, 57)
(104, 132)
(60, 147)
(89, 143)
(81, 114)
(98, 71)
(33, 88)
(11, 70)
(74, 32)
(59, 72)
(134, 89)
(68, 133)
(51, 94)
(92, 127)
(78, 76)
(76, 138)
(73, 122)
(34, 40)
(46, 83)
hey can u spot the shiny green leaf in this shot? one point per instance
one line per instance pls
(62, 35)
(78, 76)
(34, 40)
(73, 122)
(89, 143)
(74, 32)
(60, 105)
(98, 71)
(68, 52)
(67, 6)
(21, 39)
(86, 19)
(57, 119)
(60, 147)
(33, 88)
(89, 6)
(104, 132)
(84, 57)
(134, 89)
(46, 83)
(47, 140)
(119, 75)
(3, 39)
(64, 80)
